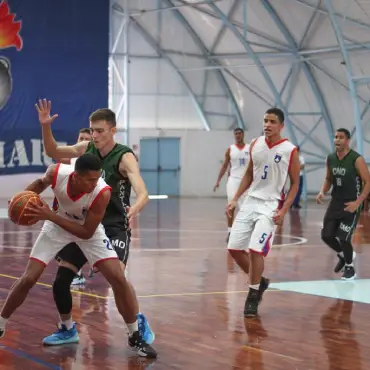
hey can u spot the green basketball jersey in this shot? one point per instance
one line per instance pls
(347, 184)
(115, 214)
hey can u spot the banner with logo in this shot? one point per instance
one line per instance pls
(49, 49)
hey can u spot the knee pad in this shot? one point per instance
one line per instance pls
(61, 290)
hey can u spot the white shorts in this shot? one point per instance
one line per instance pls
(232, 187)
(96, 249)
(253, 228)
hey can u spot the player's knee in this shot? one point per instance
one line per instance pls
(113, 273)
(325, 237)
(63, 280)
(28, 280)
(61, 289)
(235, 253)
(69, 266)
(346, 243)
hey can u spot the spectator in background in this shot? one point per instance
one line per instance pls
(297, 199)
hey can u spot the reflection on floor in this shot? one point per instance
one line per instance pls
(355, 290)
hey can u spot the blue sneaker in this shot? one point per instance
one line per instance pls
(62, 336)
(79, 280)
(146, 333)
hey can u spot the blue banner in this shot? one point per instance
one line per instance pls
(57, 50)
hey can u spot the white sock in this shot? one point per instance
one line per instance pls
(255, 286)
(341, 254)
(68, 323)
(3, 322)
(229, 229)
(132, 327)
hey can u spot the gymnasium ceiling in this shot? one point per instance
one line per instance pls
(309, 57)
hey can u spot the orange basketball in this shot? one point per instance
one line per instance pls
(18, 204)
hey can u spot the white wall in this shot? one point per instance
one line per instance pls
(201, 156)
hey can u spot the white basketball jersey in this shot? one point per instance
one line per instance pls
(73, 161)
(69, 207)
(239, 158)
(271, 165)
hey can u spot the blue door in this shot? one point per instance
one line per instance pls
(160, 165)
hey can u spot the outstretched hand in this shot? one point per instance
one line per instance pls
(44, 108)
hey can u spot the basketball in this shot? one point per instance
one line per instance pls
(18, 204)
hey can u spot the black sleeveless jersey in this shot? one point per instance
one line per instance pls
(115, 214)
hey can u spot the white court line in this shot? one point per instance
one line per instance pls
(299, 241)
(148, 230)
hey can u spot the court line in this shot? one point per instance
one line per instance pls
(25, 355)
(300, 241)
(139, 230)
(50, 286)
(145, 296)
(250, 348)
(197, 293)
(14, 255)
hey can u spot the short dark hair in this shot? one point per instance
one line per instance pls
(85, 131)
(104, 114)
(345, 132)
(88, 162)
(238, 129)
(278, 113)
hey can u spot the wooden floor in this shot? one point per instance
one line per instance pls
(193, 295)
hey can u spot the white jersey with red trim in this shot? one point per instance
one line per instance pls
(69, 207)
(271, 165)
(239, 158)
(73, 162)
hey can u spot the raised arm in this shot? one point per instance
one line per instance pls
(129, 167)
(52, 149)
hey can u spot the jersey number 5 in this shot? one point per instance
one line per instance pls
(262, 238)
(264, 175)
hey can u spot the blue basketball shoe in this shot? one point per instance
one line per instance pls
(62, 336)
(145, 331)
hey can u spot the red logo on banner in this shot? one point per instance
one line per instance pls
(9, 29)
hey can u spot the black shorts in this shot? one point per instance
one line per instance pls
(339, 223)
(119, 238)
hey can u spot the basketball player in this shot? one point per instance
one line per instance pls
(346, 173)
(120, 170)
(83, 135)
(272, 160)
(83, 197)
(237, 158)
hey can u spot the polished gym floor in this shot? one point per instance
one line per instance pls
(193, 295)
